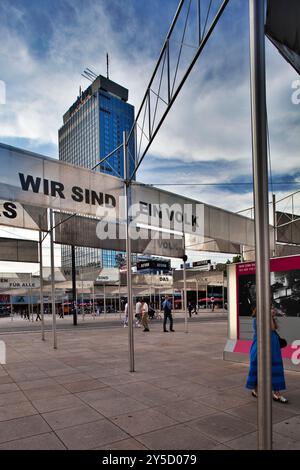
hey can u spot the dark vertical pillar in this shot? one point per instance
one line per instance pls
(74, 286)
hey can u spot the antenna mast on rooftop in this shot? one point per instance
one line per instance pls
(89, 74)
(107, 65)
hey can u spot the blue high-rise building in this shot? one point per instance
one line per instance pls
(93, 127)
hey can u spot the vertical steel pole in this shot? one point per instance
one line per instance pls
(185, 298)
(120, 312)
(184, 289)
(104, 300)
(52, 281)
(274, 223)
(128, 254)
(74, 301)
(223, 290)
(93, 304)
(30, 297)
(41, 283)
(159, 299)
(261, 222)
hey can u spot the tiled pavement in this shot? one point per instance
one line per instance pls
(182, 395)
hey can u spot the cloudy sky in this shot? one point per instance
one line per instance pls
(206, 139)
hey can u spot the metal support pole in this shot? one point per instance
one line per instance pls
(30, 297)
(41, 285)
(197, 295)
(82, 299)
(223, 290)
(52, 280)
(159, 299)
(261, 222)
(120, 310)
(93, 303)
(128, 255)
(74, 301)
(274, 222)
(185, 298)
(104, 300)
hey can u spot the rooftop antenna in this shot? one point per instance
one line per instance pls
(89, 74)
(107, 66)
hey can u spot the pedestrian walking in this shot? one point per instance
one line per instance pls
(60, 312)
(278, 381)
(38, 316)
(145, 316)
(138, 313)
(190, 308)
(167, 308)
(126, 315)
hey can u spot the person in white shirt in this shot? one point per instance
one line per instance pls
(145, 316)
(126, 315)
(138, 313)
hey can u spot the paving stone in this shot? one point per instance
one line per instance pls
(185, 410)
(5, 379)
(248, 412)
(223, 400)
(12, 397)
(48, 441)
(8, 387)
(91, 435)
(289, 428)
(93, 396)
(249, 442)
(84, 385)
(16, 410)
(71, 417)
(222, 427)
(33, 384)
(46, 392)
(67, 379)
(176, 437)
(22, 427)
(56, 403)
(125, 444)
(140, 422)
(117, 406)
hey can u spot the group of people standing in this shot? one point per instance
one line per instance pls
(142, 315)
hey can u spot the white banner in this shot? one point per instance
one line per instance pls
(154, 280)
(108, 275)
(158, 208)
(13, 214)
(33, 179)
(36, 180)
(18, 281)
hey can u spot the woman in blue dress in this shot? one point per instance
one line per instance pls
(278, 382)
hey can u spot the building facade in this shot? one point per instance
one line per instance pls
(92, 128)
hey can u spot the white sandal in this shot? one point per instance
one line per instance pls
(280, 398)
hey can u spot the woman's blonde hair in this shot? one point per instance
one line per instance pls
(254, 312)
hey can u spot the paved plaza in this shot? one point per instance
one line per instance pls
(182, 395)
